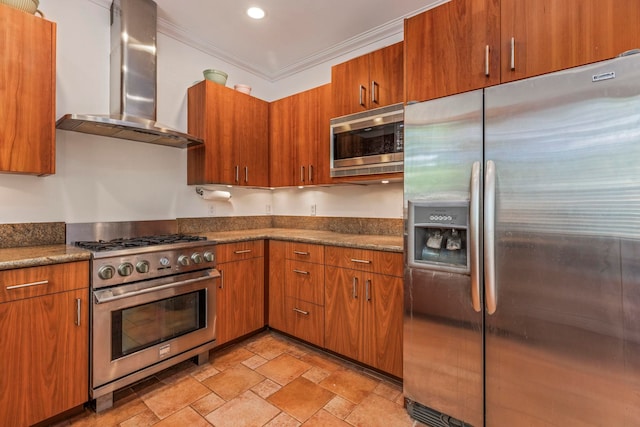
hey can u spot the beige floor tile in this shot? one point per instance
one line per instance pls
(316, 374)
(184, 417)
(246, 410)
(254, 362)
(321, 361)
(266, 388)
(376, 411)
(230, 357)
(339, 407)
(233, 381)
(205, 371)
(301, 398)
(122, 410)
(283, 369)
(324, 419)
(207, 404)
(143, 419)
(268, 346)
(388, 391)
(165, 401)
(283, 420)
(351, 385)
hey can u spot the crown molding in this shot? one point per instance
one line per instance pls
(367, 38)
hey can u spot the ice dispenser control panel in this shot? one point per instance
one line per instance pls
(438, 235)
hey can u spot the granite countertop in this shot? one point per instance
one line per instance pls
(33, 256)
(359, 241)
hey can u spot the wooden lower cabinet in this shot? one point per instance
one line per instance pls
(305, 320)
(44, 342)
(240, 298)
(363, 309)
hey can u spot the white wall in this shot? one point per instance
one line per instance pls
(102, 179)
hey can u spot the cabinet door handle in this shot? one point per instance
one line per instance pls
(310, 174)
(362, 90)
(513, 53)
(27, 285)
(300, 271)
(246, 174)
(78, 311)
(221, 279)
(486, 60)
(301, 173)
(297, 310)
(237, 173)
(361, 261)
(355, 288)
(368, 289)
(301, 253)
(245, 251)
(374, 91)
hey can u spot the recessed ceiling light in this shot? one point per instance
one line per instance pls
(255, 13)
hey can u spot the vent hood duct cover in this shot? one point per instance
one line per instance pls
(133, 83)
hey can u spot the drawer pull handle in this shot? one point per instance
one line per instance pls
(26, 285)
(301, 253)
(246, 251)
(361, 261)
(300, 271)
(297, 310)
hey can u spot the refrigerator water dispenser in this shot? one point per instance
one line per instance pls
(438, 235)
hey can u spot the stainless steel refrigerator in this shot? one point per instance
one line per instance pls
(522, 286)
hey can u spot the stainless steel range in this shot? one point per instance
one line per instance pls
(153, 300)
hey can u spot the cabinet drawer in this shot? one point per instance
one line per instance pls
(35, 281)
(390, 263)
(305, 252)
(304, 281)
(227, 252)
(306, 321)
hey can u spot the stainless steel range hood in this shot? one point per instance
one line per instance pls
(133, 83)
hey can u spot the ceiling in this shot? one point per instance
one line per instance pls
(293, 36)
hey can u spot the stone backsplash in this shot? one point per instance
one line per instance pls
(32, 234)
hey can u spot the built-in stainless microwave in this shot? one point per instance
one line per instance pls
(370, 142)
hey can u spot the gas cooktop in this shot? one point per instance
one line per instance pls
(137, 242)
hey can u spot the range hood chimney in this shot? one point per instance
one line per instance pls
(133, 82)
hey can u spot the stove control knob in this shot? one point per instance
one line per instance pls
(125, 269)
(106, 272)
(209, 257)
(183, 260)
(197, 258)
(142, 267)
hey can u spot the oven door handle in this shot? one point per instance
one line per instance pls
(106, 295)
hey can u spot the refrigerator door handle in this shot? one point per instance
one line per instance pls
(474, 236)
(491, 296)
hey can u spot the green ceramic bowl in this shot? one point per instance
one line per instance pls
(216, 76)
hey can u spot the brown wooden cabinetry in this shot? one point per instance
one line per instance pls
(240, 298)
(469, 44)
(363, 306)
(27, 93)
(45, 341)
(369, 81)
(299, 138)
(234, 127)
(296, 290)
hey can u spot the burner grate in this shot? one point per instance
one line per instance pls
(136, 242)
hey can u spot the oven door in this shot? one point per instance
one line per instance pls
(139, 324)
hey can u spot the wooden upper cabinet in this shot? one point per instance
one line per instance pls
(369, 81)
(550, 35)
(449, 48)
(299, 138)
(27, 93)
(234, 127)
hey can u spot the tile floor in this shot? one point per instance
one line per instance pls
(267, 380)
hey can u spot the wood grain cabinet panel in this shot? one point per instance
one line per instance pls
(306, 320)
(46, 343)
(240, 297)
(299, 138)
(27, 93)
(234, 127)
(304, 281)
(382, 262)
(369, 81)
